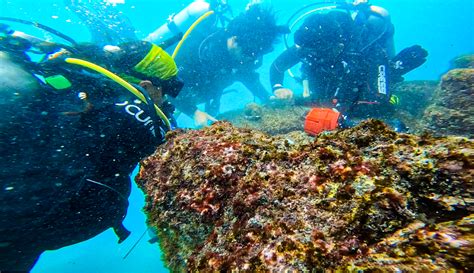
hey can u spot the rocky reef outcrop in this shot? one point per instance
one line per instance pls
(414, 98)
(463, 61)
(271, 119)
(452, 110)
(366, 198)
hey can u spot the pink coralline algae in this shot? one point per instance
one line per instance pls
(230, 199)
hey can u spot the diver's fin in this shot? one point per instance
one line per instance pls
(121, 232)
(409, 59)
(153, 240)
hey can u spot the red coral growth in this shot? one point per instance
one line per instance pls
(226, 199)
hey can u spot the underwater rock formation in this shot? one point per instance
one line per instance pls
(464, 61)
(452, 112)
(224, 198)
(273, 120)
(414, 98)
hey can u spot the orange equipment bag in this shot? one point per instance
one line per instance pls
(321, 119)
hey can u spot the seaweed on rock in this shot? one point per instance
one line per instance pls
(224, 198)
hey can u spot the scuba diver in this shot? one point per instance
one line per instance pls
(71, 133)
(214, 57)
(348, 67)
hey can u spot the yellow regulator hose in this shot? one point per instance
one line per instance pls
(188, 32)
(118, 80)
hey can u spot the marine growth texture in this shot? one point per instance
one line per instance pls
(230, 199)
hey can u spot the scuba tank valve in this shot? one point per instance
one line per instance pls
(180, 22)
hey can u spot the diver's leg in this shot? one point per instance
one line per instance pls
(122, 232)
(212, 107)
(18, 256)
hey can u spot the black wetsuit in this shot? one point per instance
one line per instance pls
(207, 68)
(349, 79)
(66, 162)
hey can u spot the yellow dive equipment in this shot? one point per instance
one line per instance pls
(157, 63)
(120, 81)
(394, 100)
(188, 32)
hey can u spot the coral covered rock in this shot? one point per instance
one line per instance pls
(224, 198)
(414, 98)
(272, 120)
(452, 112)
(464, 61)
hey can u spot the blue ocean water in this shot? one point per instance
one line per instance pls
(444, 28)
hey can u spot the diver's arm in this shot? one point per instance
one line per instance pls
(389, 43)
(36, 42)
(306, 90)
(252, 82)
(202, 119)
(286, 60)
(390, 46)
(184, 106)
(190, 109)
(388, 27)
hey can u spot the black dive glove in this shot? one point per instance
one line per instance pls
(408, 59)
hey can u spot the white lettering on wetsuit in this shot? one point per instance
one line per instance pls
(138, 114)
(382, 80)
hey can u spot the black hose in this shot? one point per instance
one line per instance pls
(41, 26)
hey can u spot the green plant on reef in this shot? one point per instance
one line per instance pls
(230, 199)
